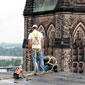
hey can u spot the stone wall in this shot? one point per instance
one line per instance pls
(27, 60)
(58, 25)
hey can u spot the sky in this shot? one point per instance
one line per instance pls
(12, 21)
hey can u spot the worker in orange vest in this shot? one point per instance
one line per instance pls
(17, 72)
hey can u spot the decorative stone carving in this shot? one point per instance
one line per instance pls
(79, 31)
(42, 30)
(57, 25)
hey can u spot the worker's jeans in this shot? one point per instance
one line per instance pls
(49, 67)
(40, 60)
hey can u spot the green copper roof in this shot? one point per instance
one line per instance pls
(44, 5)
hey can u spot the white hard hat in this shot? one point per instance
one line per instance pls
(35, 26)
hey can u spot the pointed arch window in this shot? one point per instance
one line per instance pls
(51, 34)
(78, 50)
(51, 39)
(42, 29)
(79, 32)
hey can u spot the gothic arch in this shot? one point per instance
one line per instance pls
(78, 46)
(42, 29)
(51, 37)
(78, 31)
(51, 30)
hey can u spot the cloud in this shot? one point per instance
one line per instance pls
(11, 21)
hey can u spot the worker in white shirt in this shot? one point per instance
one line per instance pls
(35, 45)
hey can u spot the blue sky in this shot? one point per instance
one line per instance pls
(11, 21)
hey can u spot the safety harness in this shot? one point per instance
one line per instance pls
(36, 42)
(51, 63)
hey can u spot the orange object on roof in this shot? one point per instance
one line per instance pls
(17, 71)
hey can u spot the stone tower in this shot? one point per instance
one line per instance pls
(62, 23)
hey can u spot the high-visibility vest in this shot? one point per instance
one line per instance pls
(17, 71)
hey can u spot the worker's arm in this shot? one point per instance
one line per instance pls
(42, 42)
(29, 45)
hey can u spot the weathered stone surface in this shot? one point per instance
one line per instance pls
(69, 24)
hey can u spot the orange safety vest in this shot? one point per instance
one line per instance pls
(17, 71)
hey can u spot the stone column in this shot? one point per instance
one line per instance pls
(58, 56)
(27, 60)
(66, 64)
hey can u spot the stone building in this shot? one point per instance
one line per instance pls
(62, 23)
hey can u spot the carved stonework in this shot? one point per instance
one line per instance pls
(51, 38)
(42, 30)
(80, 1)
(62, 27)
(79, 32)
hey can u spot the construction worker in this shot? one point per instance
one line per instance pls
(35, 45)
(50, 63)
(18, 72)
